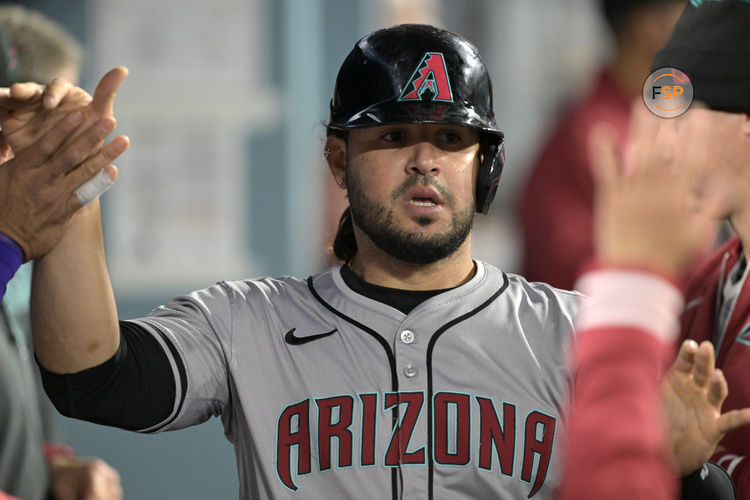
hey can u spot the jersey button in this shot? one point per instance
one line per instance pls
(407, 336)
(410, 371)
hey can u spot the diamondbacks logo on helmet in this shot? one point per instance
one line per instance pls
(431, 74)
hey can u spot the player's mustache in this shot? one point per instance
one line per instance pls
(426, 180)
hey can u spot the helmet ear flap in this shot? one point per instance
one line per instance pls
(493, 160)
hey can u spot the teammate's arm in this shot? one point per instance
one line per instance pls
(643, 232)
(74, 318)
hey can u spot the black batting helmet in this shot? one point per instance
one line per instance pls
(413, 73)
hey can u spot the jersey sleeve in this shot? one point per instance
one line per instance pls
(195, 333)
(616, 444)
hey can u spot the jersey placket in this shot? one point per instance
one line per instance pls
(410, 346)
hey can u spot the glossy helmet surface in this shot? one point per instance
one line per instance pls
(412, 73)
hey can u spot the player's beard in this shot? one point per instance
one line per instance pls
(379, 223)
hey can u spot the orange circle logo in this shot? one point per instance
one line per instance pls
(668, 92)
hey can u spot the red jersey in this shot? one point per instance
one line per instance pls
(556, 207)
(703, 300)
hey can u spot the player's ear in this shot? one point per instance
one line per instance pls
(746, 124)
(335, 155)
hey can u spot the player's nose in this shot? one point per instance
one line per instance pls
(423, 158)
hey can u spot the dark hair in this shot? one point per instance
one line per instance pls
(345, 244)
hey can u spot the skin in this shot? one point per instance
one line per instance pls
(716, 154)
(53, 144)
(631, 200)
(27, 111)
(400, 165)
(655, 211)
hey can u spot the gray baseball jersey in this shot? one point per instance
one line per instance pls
(326, 393)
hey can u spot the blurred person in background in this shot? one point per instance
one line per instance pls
(32, 464)
(555, 209)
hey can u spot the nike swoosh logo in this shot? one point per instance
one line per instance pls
(292, 339)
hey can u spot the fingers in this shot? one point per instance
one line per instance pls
(604, 154)
(94, 187)
(96, 175)
(704, 364)
(19, 94)
(686, 357)
(642, 130)
(717, 389)
(47, 145)
(55, 91)
(106, 90)
(25, 91)
(82, 147)
(733, 419)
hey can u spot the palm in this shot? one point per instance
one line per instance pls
(24, 118)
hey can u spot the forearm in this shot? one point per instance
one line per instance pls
(616, 364)
(73, 313)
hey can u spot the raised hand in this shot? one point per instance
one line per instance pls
(38, 186)
(28, 110)
(693, 392)
(643, 216)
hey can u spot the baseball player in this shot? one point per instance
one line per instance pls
(410, 371)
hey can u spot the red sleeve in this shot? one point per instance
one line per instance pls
(616, 445)
(5, 496)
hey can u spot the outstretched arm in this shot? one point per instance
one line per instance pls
(74, 319)
(645, 238)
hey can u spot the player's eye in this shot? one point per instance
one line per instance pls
(450, 137)
(392, 136)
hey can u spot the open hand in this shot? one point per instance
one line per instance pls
(693, 392)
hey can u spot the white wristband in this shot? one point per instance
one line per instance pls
(630, 298)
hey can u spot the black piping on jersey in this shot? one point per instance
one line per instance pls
(430, 347)
(183, 379)
(391, 361)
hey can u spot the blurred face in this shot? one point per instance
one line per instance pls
(715, 148)
(411, 188)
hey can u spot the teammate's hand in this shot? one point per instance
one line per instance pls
(27, 110)
(693, 392)
(37, 186)
(642, 216)
(83, 479)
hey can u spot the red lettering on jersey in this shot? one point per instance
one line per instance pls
(402, 433)
(327, 430)
(432, 74)
(286, 438)
(492, 435)
(542, 447)
(369, 422)
(462, 430)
